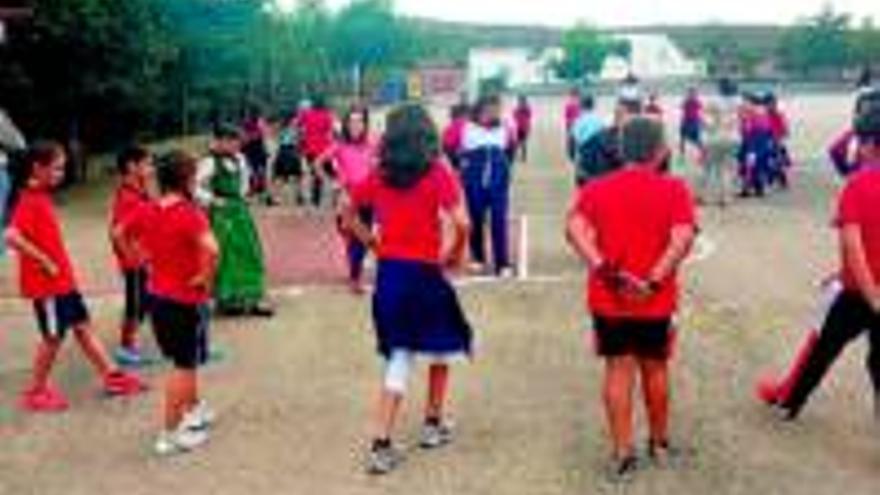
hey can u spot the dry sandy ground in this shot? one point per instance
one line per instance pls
(294, 393)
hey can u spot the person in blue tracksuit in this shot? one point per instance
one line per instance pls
(487, 149)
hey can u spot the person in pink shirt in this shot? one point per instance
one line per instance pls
(352, 159)
(458, 117)
(522, 118)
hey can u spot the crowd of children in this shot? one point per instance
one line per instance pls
(196, 243)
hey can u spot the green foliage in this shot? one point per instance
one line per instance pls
(819, 44)
(585, 49)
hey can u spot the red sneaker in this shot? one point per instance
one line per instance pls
(767, 389)
(43, 399)
(121, 383)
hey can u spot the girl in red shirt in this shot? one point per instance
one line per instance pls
(415, 309)
(317, 127)
(522, 117)
(47, 280)
(183, 254)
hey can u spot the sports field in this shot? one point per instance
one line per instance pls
(294, 393)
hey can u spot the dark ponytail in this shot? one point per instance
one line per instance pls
(409, 147)
(21, 168)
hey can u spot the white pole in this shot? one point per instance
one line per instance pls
(523, 263)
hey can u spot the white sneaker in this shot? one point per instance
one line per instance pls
(435, 436)
(507, 273)
(200, 417)
(179, 441)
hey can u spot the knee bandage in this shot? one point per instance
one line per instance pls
(397, 370)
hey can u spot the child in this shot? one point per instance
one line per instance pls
(844, 149)
(415, 309)
(780, 131)
(585, 133)
(721, 145)
(458, 117)
(653, 108)
(633, 228)
(317, 125)
(288, 163)
(856, 309)
(353, 158)
(487, 159)
(254, 150)
(758, 156)
(183, 256)
(135, 168)
(691, 129)
(222, 177)
(47, 279)
(522, 117)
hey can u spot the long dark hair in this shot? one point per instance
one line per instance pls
(364, 112)
(21, 168)
(409, 146)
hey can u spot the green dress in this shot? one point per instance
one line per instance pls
(241, 279)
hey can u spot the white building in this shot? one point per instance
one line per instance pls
(517, 66)
(652, 56)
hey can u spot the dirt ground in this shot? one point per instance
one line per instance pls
(294, 393)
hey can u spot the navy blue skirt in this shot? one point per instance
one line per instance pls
(416, 309)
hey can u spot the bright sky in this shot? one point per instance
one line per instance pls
(625, 12)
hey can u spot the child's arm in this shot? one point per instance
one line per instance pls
(122, 240)
(853, 253)
(680, 243)
(18, 241)
(581, 236)
(209, 253)
(461, 225)
(351, 223)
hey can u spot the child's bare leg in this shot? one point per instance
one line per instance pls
(655, 386)
(620, 372)
(44, 360)
(93, 349)
(391, 396)
(181, 394)
(129, 335)
(438, 386)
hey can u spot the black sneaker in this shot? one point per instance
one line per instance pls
(261, 310)
(383, 458)
(230, 311)
(620, 471)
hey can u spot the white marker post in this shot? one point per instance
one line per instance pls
(523, 261)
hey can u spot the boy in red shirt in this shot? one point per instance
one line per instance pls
(857, 308)
(177, 239)
(47, 279)
(415, 309)
(633, 228)
(135, 168)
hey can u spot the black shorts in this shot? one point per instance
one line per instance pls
(181, 332)
(57, 315)
(287, 163)
(136, 296)
(641, 338)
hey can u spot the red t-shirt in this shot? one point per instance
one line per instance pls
(34, 217)
(409, 220)
(317, 131)
(171, 236)
(522, 116)
(452, 135)
(858, 206)
(778, 125)
(126, 202)
(634, 211)
(692, 110)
